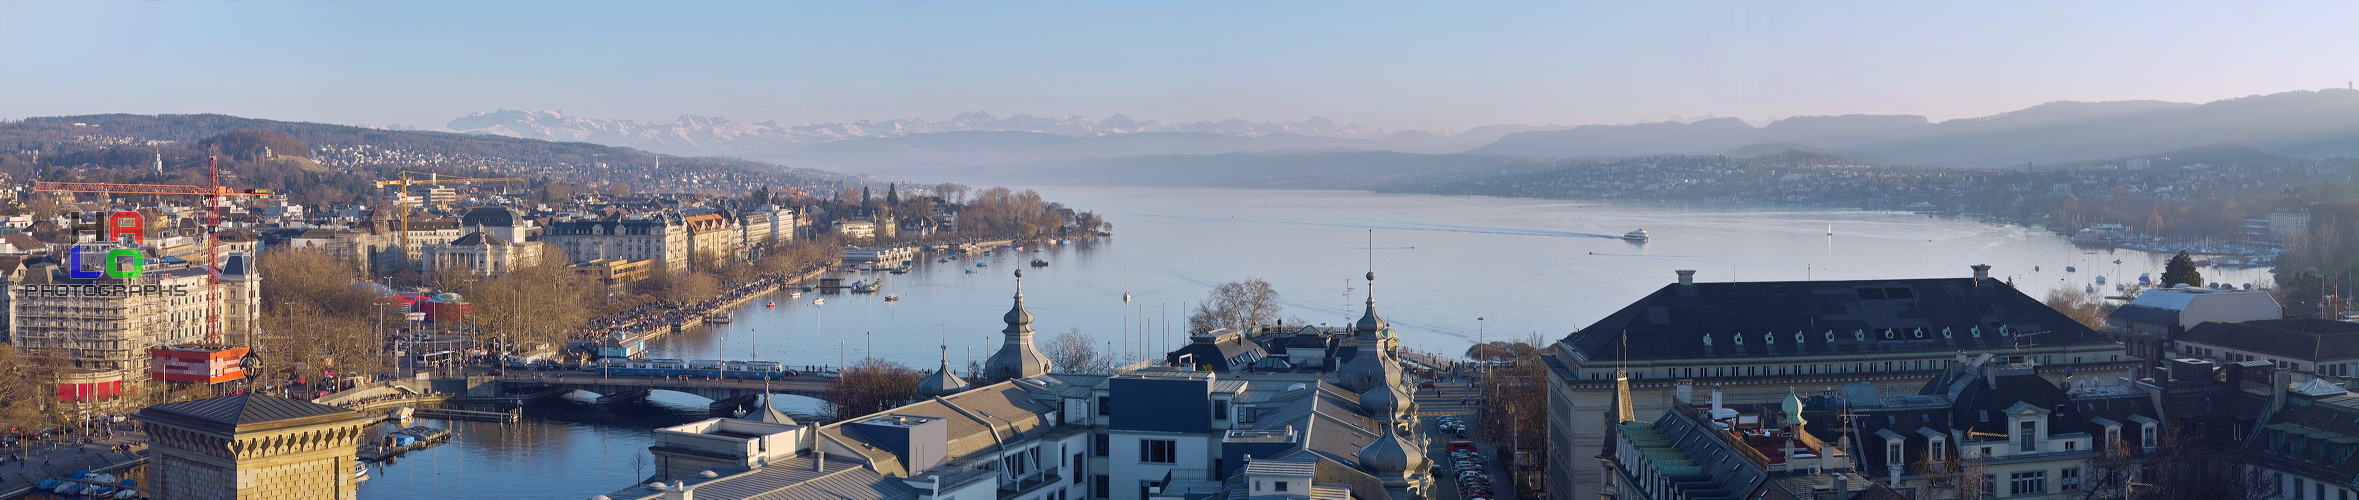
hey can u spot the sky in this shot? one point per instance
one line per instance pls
(1397, 65)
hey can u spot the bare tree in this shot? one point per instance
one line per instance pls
(1076, 352)
(2081, 305)
(871, 385)
(1236, 304)
(24, 400)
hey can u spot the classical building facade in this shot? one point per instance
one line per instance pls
(1756, 341)
(659, 237)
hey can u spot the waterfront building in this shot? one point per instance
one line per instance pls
(768, 224)
(614, 273)
(252, 446)
(1755, 341)
(658, 237)
(2149, 326)
(713, 237)
(856, 230)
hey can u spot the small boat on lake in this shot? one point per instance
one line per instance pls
(1638, 235)
(890, 297)
(819, 301)
(1039, 263)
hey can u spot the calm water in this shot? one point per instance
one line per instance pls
(1529, 267)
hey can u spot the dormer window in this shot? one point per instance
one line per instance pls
(2027, 436)
(2146, 434)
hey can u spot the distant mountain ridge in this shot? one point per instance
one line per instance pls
(694, 131)
(2306, 124)
(1019, 138)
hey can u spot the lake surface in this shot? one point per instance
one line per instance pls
(1525, 267)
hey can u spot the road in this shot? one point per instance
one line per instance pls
(1444, 400)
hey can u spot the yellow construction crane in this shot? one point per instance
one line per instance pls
(408, 178)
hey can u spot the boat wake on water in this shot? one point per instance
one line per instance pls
(1651, 256)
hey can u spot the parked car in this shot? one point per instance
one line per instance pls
(1458, 446)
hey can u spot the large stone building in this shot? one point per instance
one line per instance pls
(659, 237)
(1757, 341)
(252, 447)
(479, 254)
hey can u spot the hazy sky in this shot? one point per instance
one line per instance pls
(1396, 65)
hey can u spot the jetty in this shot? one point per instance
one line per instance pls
(480, 416)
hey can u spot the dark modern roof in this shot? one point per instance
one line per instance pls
(1937, 314)
(2311, 439)
(1223, 353)
(241, 411)
(2307, 339)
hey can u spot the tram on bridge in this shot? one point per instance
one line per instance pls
(698, 368)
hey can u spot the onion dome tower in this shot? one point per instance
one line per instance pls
(1017, 358)
(1369, 366)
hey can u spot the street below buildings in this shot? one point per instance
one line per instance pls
(1453, 398)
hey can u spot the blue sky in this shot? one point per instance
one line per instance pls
(1396, 65)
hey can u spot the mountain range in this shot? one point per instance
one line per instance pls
(968, 138)
(2300, 124)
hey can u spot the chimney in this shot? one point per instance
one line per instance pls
(1687, 392)
(1981, 272)
(1715, 402)
(1687, 278)
(2278, 380)
(1842, 484)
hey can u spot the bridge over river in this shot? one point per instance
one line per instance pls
(725, 392)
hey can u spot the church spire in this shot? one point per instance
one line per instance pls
(1017, 358)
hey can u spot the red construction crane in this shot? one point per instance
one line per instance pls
(213, 210)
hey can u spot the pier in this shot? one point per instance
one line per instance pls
(479, 416)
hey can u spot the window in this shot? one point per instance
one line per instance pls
(2027, 483)
(1893, 453)
(1936, 447)
(2027, 439)
(1077, 468)
(2071, 445)
(1279, 486)
(1103, 402)
(1220, 410)
(2147, 435)
(1099, 445)
(1101, 486)
(2069, 479)
(1158, 451)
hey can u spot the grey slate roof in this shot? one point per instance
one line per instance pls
(244, 409)
(2306, 339)
(1859, 316)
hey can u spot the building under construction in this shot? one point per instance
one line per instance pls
(97, 332)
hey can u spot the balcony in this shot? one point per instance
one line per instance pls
(1028, 484)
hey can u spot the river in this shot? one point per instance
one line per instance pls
(1450, 270)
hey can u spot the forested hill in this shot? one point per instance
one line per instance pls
(126, 140)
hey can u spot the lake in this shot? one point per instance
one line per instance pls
(1450, 270)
